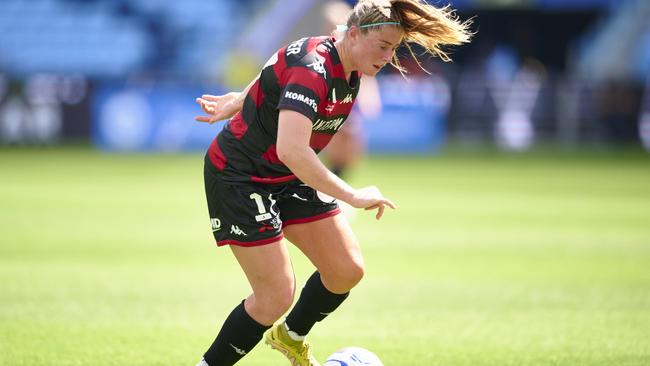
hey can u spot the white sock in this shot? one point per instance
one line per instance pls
(293, 335)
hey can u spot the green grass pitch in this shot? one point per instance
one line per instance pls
(491, 259)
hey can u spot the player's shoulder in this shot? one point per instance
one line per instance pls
(313, 53)
(297, 50)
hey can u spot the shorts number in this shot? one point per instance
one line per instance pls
(258, 200)
(260, 207)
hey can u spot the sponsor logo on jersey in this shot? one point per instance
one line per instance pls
(347, 99)
(323, 125)
(319, 67)
(216, 224)
(301, 98)
(294, 48)
(234, 229)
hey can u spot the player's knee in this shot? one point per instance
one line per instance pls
(343, 279)
(283, 301)
(355, 273)
(271, 306)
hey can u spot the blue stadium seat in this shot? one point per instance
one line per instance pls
(102, 39)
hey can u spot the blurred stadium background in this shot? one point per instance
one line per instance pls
(521, 170)
(124, 73)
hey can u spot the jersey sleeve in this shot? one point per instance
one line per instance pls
(304, 89)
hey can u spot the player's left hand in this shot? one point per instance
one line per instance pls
(370, 198)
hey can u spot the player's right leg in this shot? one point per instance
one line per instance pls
(245, 217)
(270, 274)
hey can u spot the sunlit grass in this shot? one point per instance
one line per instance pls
(534, 259)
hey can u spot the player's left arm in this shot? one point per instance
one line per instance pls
(220, 107)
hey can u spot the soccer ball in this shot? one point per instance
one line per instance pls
(353, 356)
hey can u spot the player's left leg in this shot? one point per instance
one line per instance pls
(332, 247)
(311, 222)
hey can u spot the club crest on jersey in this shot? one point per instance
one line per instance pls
(294, 48)
(301, 98)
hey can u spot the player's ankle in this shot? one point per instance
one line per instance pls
(292, 335)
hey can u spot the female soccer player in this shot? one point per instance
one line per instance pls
(263, 180)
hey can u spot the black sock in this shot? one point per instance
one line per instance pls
(315, 303)
(238, 335)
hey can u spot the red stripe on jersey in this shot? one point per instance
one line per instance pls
(257, 93)
(337, 108)
(326, 105)
(338, 71)
(313, 42)
(318, 141)
(272, 180)
(238, 126)
(271, 155)
(217, 157)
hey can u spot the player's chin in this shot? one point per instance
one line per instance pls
(372, 70)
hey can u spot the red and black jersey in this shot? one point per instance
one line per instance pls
(307, 77)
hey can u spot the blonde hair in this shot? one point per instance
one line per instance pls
(423, 24)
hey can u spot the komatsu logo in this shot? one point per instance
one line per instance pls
(301, 98)
(334, 124)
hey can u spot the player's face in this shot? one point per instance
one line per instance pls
(376, 48)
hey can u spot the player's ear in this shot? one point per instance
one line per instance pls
(353, 33)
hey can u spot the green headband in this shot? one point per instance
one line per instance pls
(380, 23)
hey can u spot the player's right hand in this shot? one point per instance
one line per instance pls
(370, 198)
(219, 107)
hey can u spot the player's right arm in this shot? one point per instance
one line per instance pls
(220, 107)
(294, 133)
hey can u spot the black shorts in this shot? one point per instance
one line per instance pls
(254, 214)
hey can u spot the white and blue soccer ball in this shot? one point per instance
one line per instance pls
(353, 356)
